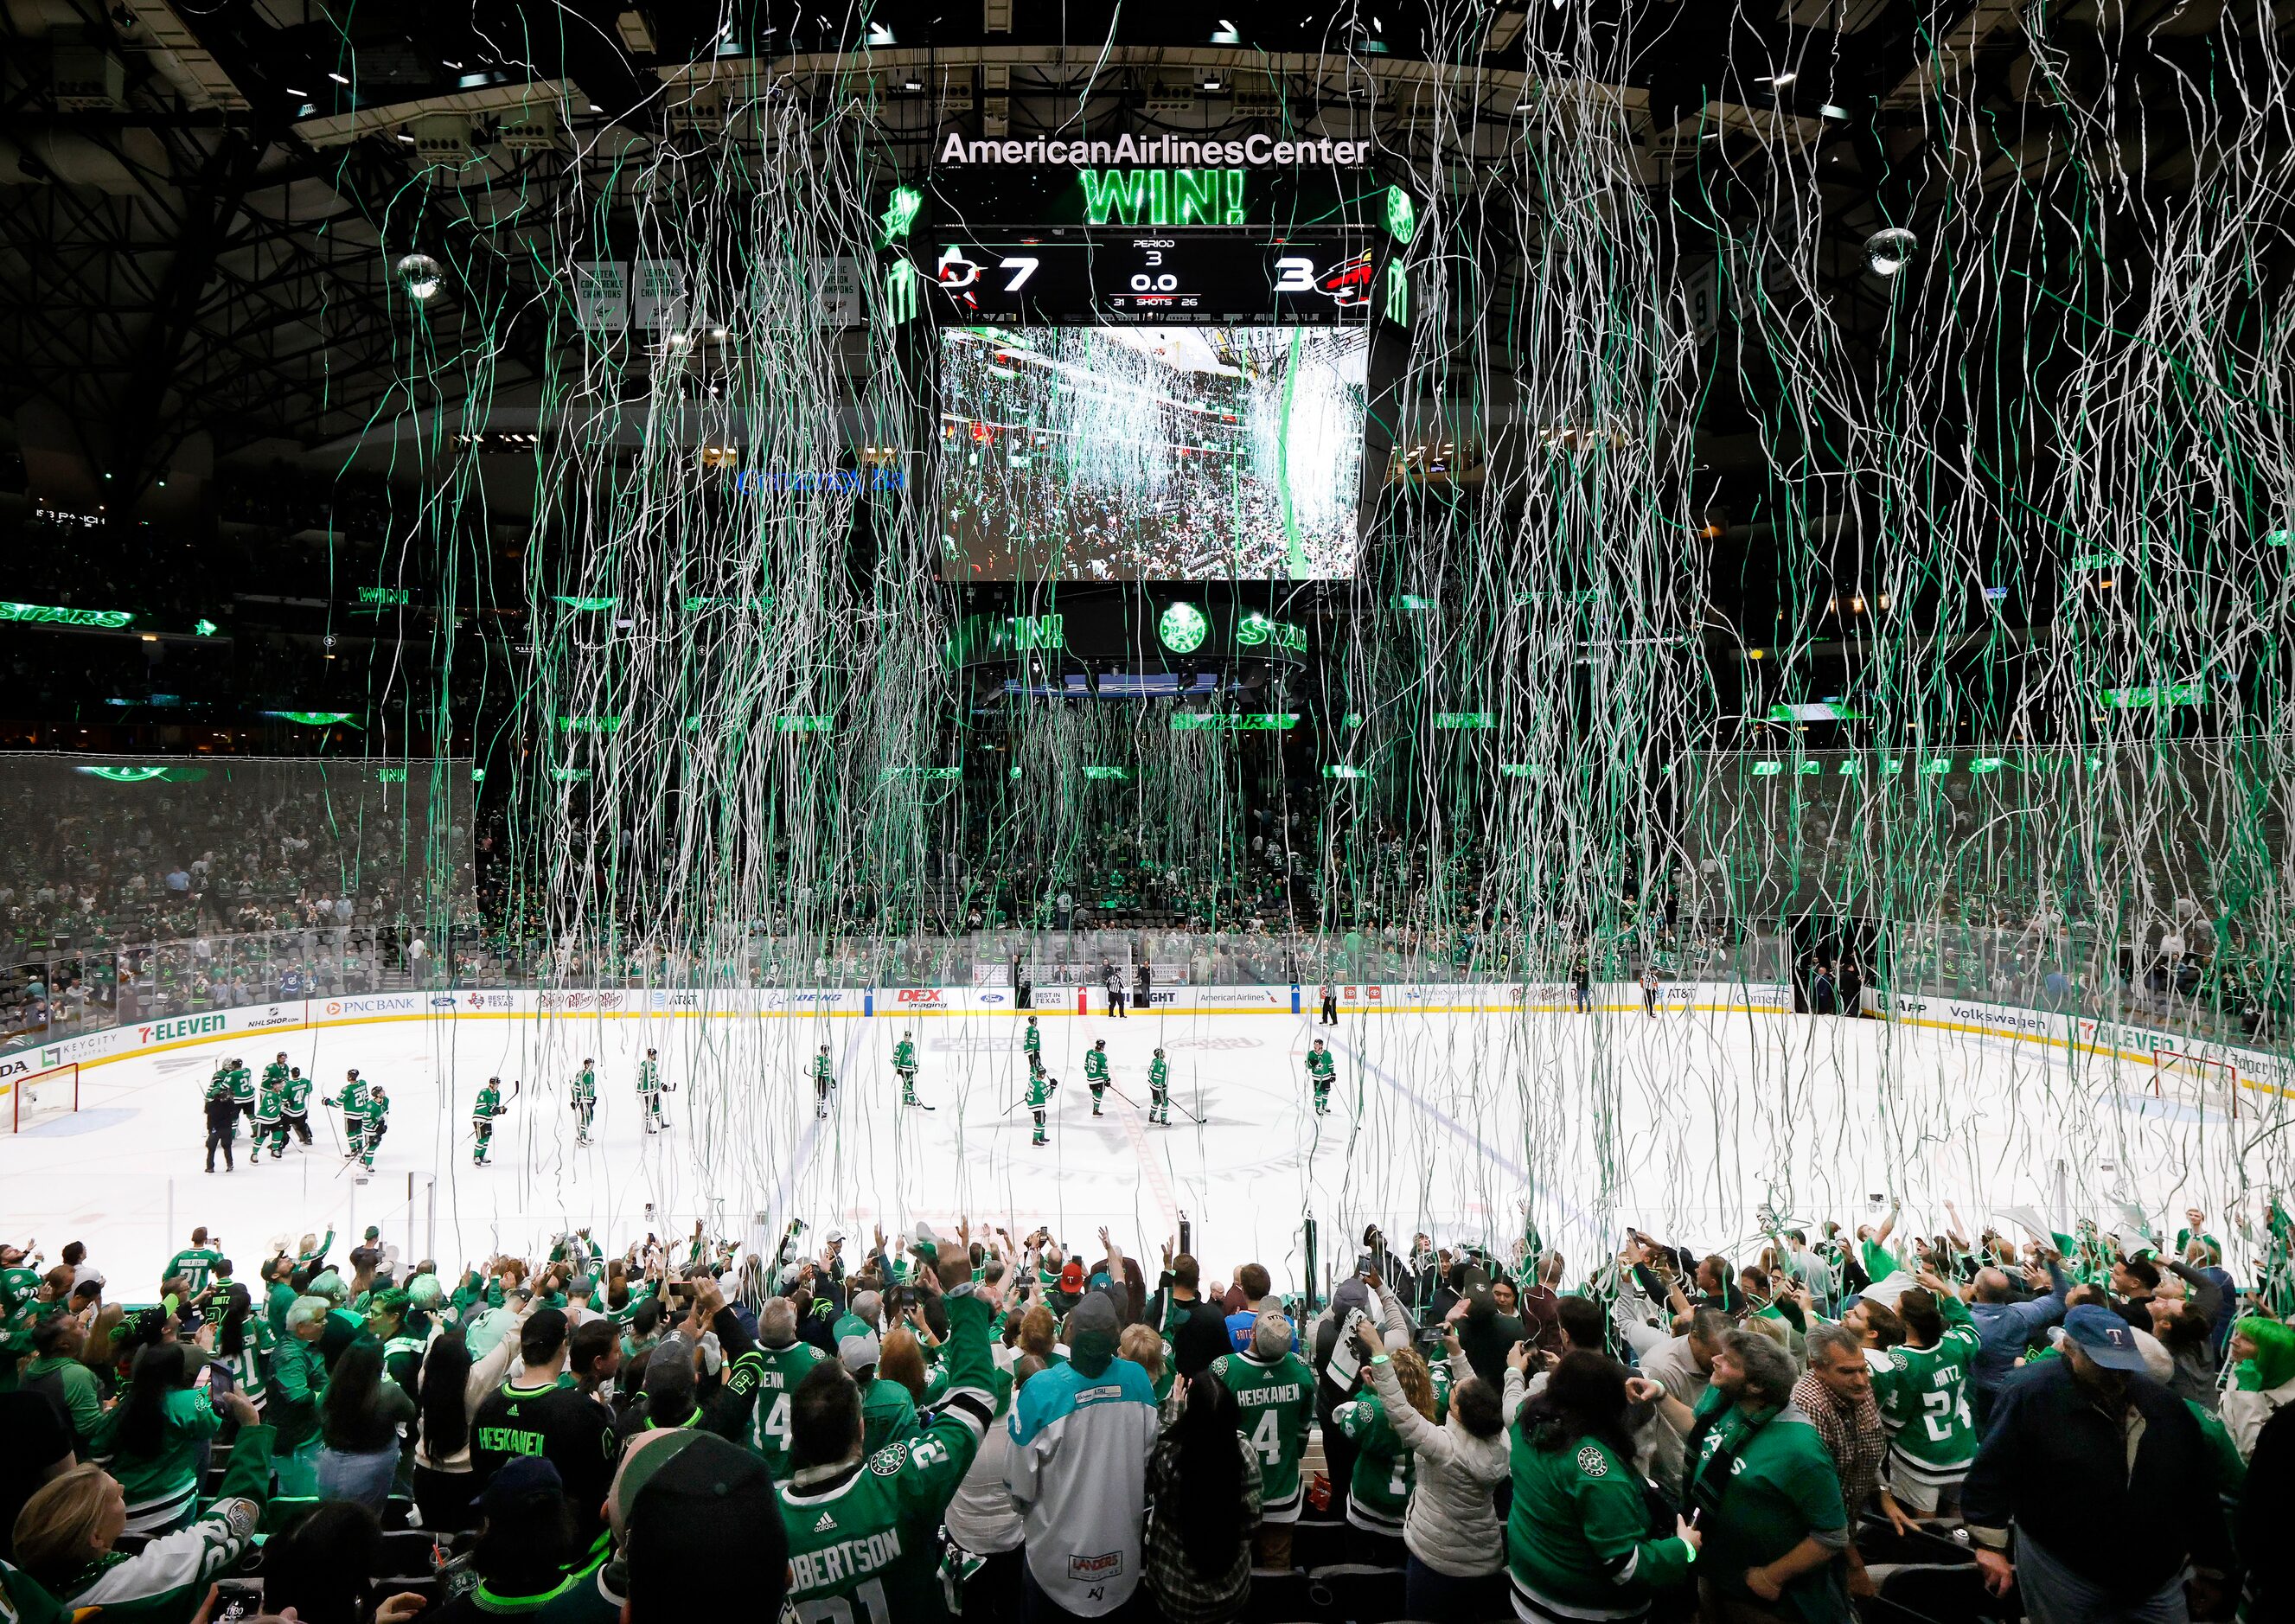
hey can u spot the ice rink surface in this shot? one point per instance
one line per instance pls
(1688, 1124)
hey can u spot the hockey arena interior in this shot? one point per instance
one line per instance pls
(1421, 812)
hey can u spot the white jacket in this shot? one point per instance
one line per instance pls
(1452, 1524)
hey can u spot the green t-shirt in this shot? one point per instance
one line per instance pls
(1779, 1486)
(1277, 1400)
(888, 1413)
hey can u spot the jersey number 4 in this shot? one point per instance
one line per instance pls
(1267, 1439)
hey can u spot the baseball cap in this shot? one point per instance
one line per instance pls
(682, 1508)
(520, 1479)
(1071, 1277)
(859, 1352)
(2104, 1337)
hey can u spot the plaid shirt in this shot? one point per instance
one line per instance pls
(1852, 1435)
(1185, 1595)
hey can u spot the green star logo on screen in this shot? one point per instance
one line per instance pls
(1182, 628)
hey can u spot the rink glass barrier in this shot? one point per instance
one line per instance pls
(1990, 983)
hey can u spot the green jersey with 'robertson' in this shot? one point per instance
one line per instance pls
(863, 1545)
(1277, 1399)
(1925, 1393)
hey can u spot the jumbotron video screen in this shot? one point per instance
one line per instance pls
(1151, 453)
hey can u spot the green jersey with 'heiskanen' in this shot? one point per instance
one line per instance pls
(1277, 1398)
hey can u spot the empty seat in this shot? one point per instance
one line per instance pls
(1356, 1593)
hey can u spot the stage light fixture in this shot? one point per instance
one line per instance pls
(420, 277)
(1890, 249)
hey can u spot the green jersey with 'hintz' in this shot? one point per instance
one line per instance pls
(1924, 1393)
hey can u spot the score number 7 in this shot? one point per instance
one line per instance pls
(955, 271)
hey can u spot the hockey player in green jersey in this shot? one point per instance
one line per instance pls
(242, 1087)
(484, 1109)
(863, 1530)
(274, 1075)
(1322, 1066)
(904, 1067)
(1095, 1072)
(585, 1101)
(1924, 1399)
(294, 1114)
(1039, 1097)
(649, 1092)
(376, 1115)
(1275, 1393)
(270, 1106)
(824, 1082)
(1159, 1090)
(352, 1103)
(1032, 1044)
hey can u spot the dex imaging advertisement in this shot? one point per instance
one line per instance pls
(1150, 453)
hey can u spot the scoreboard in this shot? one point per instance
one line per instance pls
(1151, 276)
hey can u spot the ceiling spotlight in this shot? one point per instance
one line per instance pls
(912, 83)
(293, 92)
(339, 77)
(420, 277)
(408, 139)
(1212, 83)
(1778, 81)
(1889, 249)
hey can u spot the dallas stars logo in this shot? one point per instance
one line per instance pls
(1591, 1463)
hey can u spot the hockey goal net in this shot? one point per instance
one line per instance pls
(2195, 1080)
(38, 1096)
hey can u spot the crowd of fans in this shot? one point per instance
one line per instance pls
(2082, 1426)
